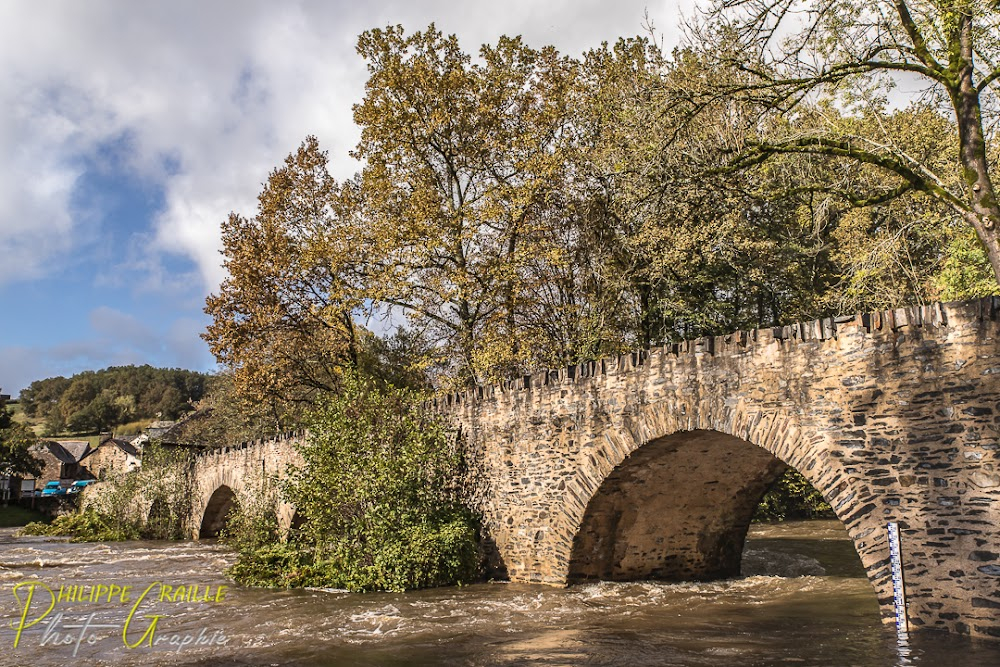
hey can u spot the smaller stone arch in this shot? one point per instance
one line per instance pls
(222, 502)
(161, 522)
(299, 520)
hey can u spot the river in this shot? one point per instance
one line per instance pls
(803, 601)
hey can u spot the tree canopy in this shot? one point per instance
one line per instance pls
(524, 209)
(804, 63)
(15, 443)
(93, 401)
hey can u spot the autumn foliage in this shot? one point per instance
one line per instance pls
(521, 209)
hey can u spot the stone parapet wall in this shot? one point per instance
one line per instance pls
(240, 471)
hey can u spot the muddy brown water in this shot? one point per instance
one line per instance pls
(803, 600)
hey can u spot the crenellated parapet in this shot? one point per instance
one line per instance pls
(736, 343)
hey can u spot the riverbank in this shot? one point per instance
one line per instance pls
(15, 516)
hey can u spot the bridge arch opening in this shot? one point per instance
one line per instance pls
(162, 523)
(676, 509)
(222, 502)
(298, 521)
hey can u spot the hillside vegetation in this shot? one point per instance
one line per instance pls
(94, 401)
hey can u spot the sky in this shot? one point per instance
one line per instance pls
(130, 129)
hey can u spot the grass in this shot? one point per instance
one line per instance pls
(131, 428)
(15, 515)
(36, 424)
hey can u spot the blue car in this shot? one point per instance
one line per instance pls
(53, 488)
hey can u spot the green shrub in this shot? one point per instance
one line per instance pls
(87, 525)
(380, 490)
(792, 497)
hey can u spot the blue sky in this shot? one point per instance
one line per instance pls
(130, 130)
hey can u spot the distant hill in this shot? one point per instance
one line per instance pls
(95, 401)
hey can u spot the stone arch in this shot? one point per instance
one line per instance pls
(160, 522)
(678, 509)
(222, 501)
(671, 494)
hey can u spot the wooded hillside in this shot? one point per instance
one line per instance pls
(94, 401)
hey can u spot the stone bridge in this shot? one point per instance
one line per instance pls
(650, 466)
(223, 477)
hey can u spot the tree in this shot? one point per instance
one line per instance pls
(690, 255)
(458, 158)
(43, 395)
(842, 50)
(15, 443)
(526, 210)
(283, 318)
(882, 253)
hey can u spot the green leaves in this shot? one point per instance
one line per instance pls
(379, 490)
(15, 442)
(817, 89)
(93, 401)
(791, 497)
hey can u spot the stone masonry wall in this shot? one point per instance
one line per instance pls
(645, 465)
(234, 473)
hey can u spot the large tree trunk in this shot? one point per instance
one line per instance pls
(985, 213)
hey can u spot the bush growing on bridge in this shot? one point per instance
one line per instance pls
(380, 492)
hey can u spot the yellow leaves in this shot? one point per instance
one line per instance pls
(525, 210)
(279, 317)
(458, 156)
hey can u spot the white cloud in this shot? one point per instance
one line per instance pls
(211, 97)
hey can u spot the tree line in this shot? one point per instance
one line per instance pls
(94, 401)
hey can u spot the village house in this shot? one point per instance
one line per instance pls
(112, 456)
(61, 461)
